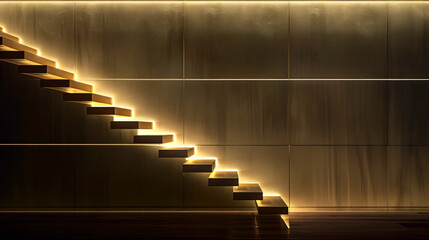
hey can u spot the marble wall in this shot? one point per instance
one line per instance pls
(313, 100)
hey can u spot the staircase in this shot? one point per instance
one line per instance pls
(53, 78)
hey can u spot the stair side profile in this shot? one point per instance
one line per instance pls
(75, 92)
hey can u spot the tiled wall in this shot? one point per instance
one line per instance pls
(233, 79)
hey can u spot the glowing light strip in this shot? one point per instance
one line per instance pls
(221, 1)
(254, 79)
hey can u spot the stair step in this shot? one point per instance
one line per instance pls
(154, 138)
(67, 86)
(272, 205)
(131, 125)
(109, 111)
(176, 152)
(24, 58)
(45, 72)
(199, 165)
(248, 191)
(223, 178)
(87, 98)
(8, 45)
(8, 36)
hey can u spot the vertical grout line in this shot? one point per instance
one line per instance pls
(183, 72)
(387, 106)
(74, 177)
(288, 44)
(289, 102)
(183, 98)
(75, 38)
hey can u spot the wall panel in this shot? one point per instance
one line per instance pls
(408, 40)
(408, 178)
(234, 40)
(338, 176)
(236, 112)
(338, 112)
(36, 176)
(133, 40)
(408, 113)
(338, 40)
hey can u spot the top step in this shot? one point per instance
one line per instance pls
(8, 36)
(8, 45)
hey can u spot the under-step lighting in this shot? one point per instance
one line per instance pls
(214, 1)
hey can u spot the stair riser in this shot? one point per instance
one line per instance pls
(198, 168)
(153, 139)
(248, 196)
(107, 111)
(131, 125)
(223, 182)
(176, 153)
(273, 210)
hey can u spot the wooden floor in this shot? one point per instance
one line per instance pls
(213, 226)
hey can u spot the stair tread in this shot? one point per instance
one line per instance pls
(248, 188)
(9, 45)
(9, 36)
(45, 72)
(131, 125)
(66, 85)
(194, 162)
(177, 152)
(223, 178)
(247, 191)
(87, 98)
(272, 205)
(177, 148)
(199, 165)
(109, 111)
(224, 175)
(25, 58)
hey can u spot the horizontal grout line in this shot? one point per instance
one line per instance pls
(216, 1)
(380, 207)
(250, 79)
(202, 145)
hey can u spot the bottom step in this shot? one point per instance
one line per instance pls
(272, 205)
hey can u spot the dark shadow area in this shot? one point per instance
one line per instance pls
(31, 114)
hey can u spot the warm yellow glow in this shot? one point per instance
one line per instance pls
(272, 195)
(214, 1)
(198, 158)
(226, 170)
(286, 220)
